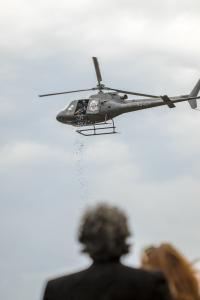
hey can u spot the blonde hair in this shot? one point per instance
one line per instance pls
(178, 271)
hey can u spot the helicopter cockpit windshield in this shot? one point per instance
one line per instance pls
(70, 107)
(77, 107)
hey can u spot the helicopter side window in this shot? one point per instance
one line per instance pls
(94, 105)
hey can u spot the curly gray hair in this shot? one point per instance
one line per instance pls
(103, 232)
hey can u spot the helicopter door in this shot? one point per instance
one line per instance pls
(81, 107)
(93, 106)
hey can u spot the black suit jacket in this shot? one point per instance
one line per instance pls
(108, 281)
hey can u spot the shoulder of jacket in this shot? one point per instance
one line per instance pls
(54, 282)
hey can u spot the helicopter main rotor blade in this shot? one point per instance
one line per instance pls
(131, 93)
(53, 94)
(97, 70)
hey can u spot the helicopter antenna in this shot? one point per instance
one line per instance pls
(98, 73)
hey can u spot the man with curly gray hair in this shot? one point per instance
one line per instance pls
(103, 233)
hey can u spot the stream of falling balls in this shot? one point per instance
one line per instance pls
(80, 167)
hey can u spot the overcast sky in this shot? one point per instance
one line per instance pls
(49, 174)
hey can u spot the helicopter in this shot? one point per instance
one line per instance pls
(94, 115)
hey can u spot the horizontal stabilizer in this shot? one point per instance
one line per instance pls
(167, 101)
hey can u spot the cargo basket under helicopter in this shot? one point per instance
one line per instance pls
(107, 127)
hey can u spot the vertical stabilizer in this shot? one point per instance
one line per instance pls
(194, 93)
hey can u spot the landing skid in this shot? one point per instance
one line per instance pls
(98, 129)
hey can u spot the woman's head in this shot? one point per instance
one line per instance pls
(176, 268)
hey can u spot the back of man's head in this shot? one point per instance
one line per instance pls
(104, 232)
